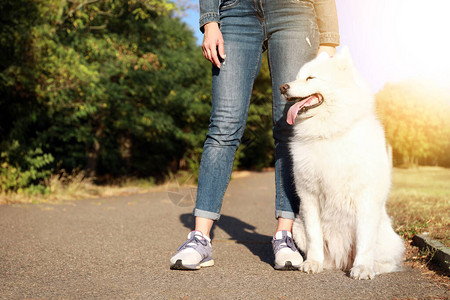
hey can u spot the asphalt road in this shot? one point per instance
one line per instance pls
(119, 247)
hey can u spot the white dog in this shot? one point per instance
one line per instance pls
(341, 170)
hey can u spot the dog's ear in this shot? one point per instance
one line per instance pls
(344, 58)
(322, 56)
(345, 52)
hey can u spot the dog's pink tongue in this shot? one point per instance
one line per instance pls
(293, 111)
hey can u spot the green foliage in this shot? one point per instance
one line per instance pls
(28, 177)
(113, 88)
(415, 116)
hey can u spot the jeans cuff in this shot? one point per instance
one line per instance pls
(284, 214)
(206, 214)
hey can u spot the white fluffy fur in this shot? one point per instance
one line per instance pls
(342, 174)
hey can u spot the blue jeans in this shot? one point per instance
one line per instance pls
(287, 29)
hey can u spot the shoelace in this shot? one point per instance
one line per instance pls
(288, 242)
(195, 241)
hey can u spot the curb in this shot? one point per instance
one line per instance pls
(441, 253)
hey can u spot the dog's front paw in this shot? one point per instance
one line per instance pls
(362, 272)
(311, 266)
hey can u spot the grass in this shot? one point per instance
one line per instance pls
(419, 202)
(66, 187)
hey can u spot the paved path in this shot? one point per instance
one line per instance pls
(119, 247)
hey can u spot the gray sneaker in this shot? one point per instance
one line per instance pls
(287, 257)
(195, 253)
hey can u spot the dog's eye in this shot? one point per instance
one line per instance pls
(310, 77)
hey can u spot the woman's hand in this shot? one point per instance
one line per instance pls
(330, 50)
(213, 43)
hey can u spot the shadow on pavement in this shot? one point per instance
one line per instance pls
(242, 233)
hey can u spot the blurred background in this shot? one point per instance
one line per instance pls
(114, 89)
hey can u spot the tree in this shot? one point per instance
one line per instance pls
(113, 87)
(415, 116)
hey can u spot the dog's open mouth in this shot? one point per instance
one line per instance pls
(302, 105)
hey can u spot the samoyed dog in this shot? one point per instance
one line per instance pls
(342, 171)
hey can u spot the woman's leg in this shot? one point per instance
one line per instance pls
(203, 225)
(293, 41)
(284, 224)
(231, 91)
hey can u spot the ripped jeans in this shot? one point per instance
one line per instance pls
(287, 29)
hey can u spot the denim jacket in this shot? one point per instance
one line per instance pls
(326, 16)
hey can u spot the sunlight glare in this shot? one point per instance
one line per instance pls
(421, 35)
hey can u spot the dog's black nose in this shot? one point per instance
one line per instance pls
(284, 88)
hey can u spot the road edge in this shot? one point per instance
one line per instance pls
(440, 253)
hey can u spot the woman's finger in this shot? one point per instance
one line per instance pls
(205, 53)
(208, 55)
(214, 58)
(221, 49)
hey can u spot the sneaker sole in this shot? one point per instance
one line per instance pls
(287, 267)
(178, 265)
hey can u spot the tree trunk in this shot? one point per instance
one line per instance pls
(92, 154)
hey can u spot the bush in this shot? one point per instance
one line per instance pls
(29, 178)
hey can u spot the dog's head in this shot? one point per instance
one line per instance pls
(328, 89)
